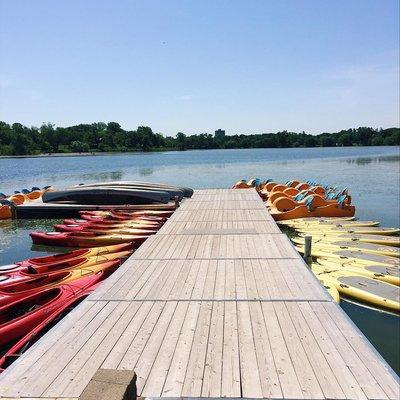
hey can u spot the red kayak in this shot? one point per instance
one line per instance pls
(115, 218)
(39, 330)
(23, 315)
(29, 270)
(96, 251)
(131, 214)
(20, 284)
(84, 239)
(104, 229)
(114, 223)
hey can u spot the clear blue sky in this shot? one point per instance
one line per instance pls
(194, 66)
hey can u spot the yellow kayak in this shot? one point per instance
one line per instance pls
(362, 288)
(327, 245)
(360, 230)
(385, 274)
(333, 224)
(354, 256)
(315, 219)
(375, 239)
(330, 287)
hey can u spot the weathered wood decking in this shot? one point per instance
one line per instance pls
(217, 304)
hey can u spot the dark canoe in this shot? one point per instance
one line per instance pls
(174, 193)
(187, 192)
(109, 196)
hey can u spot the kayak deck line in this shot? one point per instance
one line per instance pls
(218, 303)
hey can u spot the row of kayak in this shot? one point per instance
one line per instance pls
(102, 193)
(37, 292)
(353, 259)
(19, 197)
(296, 199)
(117, 193)
(103, 228)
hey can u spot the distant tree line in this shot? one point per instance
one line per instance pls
(17, 139)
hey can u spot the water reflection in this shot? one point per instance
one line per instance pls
(146, 171)
(99, 176)
(359, 168)
(381, 328)
(369, 160)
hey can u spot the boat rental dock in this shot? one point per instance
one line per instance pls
(217, 304)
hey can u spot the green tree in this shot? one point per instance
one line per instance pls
(52, 136)
(181, 140)
(79, 147)
(345, 140)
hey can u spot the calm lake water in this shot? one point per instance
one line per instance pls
(371, 173)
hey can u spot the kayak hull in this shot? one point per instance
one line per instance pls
(187, 192)
(107, 196)
(32, 335)
(84, 239)
(73, 255)
(18, 318)
(365, 290)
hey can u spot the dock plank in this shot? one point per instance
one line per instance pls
(217, 304)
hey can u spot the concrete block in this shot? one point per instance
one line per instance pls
(111, 384)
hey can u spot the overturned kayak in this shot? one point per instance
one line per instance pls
(108, 196)
(187, 192)
(173, 193)
(84, 239)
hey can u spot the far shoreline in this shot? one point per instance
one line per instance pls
(45, 155)
(110, 153)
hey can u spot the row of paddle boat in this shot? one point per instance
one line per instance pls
(20, 197)
(354, 259)
(296, 199)
(37, 292)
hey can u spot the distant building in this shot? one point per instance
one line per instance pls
(219, 134)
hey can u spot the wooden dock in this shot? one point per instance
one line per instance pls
(217, 304)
